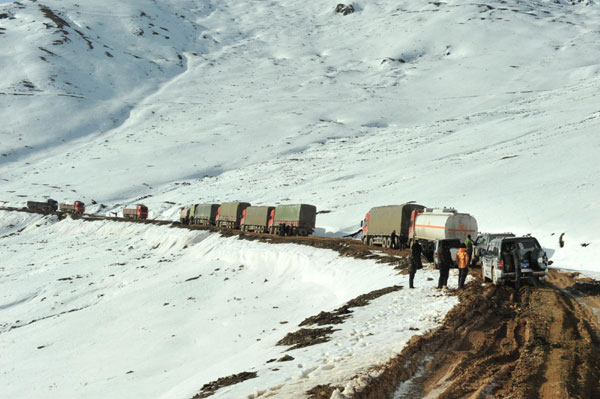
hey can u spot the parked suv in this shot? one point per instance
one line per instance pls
(509, 258)
(482, 242)
(452, 243)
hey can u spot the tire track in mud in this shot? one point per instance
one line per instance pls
(496, 343)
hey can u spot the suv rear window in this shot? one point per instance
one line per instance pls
(523, 244)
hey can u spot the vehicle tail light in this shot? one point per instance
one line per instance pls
(500, 265)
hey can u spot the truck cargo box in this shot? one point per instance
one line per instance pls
(300, 218)
(382, 220)
(230, 214)
(204, 214)
(256, 218)
(139, 212)
(44, 207)
(77, 207)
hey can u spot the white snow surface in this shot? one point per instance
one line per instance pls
(132, 311)
(492, 108)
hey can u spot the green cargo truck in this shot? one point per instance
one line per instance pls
(297, 219)
(256, 218)
(381, 221)
(230, 214)
(203, 214)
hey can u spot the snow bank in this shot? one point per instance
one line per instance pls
(121, 309)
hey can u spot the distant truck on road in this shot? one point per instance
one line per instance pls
(199, 214)
(139, 212)
(257, 218)
(76, 208)
(294, 219)
(44, 207)
(230, 214)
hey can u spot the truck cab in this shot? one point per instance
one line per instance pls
(142, 211)
(365, 227)
(79, 207)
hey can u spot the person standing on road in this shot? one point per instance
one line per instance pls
(445, 265)
(469, 244)
(415, 263)
(393, 244)
(462, 259)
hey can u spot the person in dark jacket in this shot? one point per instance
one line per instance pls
(393, 244)
(445, 265)
(415, 263)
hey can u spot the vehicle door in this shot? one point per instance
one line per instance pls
(486, 256)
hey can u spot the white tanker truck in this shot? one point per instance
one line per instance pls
(429, 225)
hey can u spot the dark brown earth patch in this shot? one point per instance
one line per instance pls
(322, 392)
(306, 337)
(340, 314)
(48, 13)
(212, 387)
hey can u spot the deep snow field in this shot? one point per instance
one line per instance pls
(492, 108)
(132, 311)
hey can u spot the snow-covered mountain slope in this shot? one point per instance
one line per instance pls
(488, 107)
(106, 309)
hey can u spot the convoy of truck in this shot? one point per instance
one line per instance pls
(289, 219)
(503, 256)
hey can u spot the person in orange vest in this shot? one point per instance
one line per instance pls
(462, 259)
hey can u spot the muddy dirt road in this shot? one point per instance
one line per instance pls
(538, 343)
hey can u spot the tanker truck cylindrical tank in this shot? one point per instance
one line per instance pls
(439, 225)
